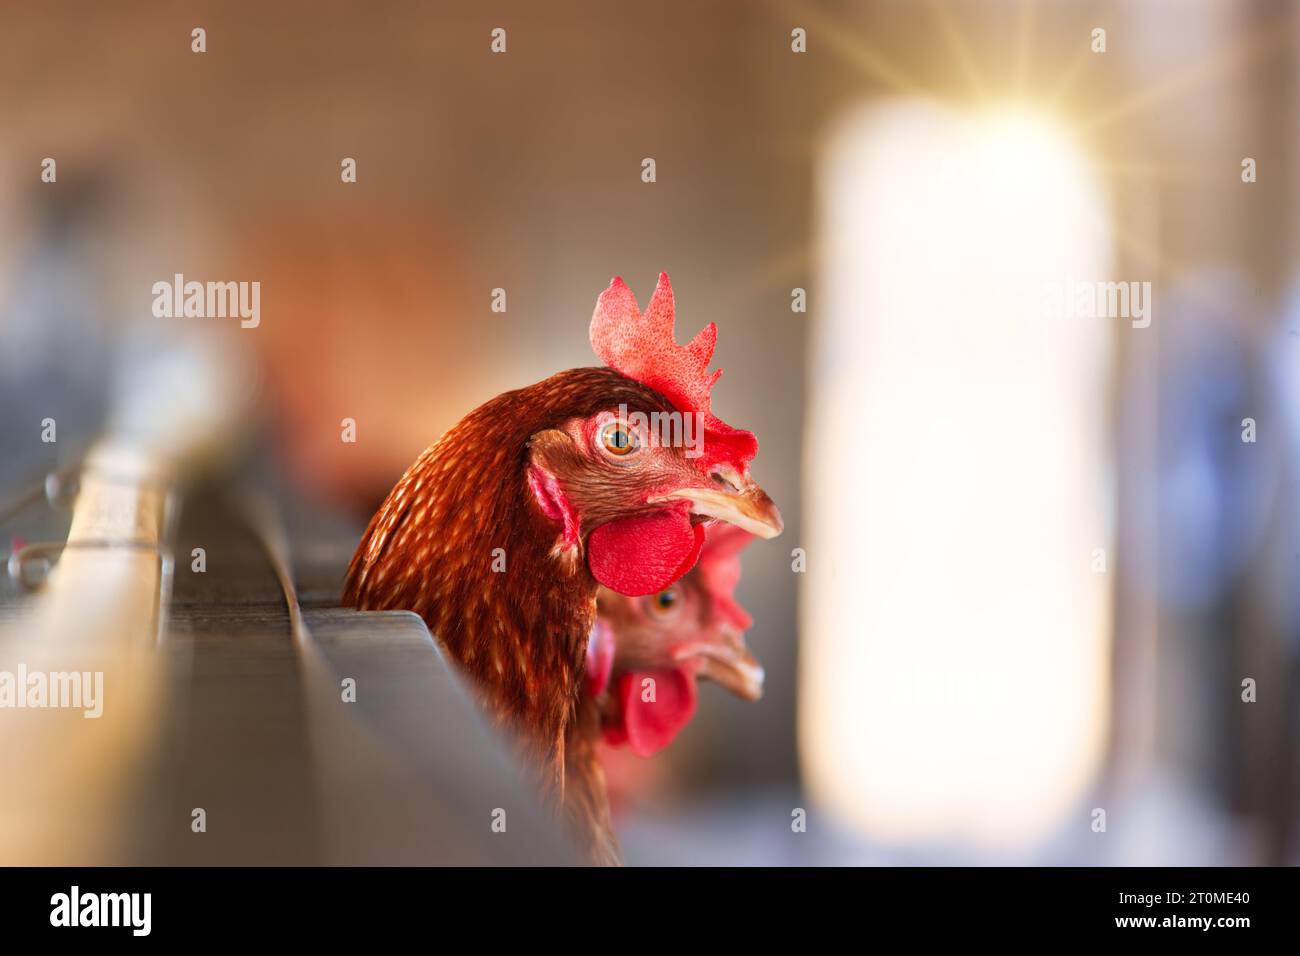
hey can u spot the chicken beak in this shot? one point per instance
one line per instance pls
(727, 663)
(747, 507)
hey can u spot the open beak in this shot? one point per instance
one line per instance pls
(726, 662)
(746, 506)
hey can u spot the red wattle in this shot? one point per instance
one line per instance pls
(645, 554)
(649, 726)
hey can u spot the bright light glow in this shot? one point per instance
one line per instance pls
(954, 681)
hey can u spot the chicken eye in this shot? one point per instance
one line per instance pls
(664, 601)
(618, 439)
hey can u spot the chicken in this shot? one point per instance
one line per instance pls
(500, 533)
(689, 630)
(643, 658)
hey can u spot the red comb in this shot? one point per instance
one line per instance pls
(642, 346)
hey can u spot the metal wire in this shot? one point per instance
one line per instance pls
(59, 489)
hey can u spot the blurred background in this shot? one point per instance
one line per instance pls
(1041, 548)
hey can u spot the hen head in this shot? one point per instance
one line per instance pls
(692, 629)
(638, 484)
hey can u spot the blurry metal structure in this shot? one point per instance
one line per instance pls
(226, 724)
(247, 722)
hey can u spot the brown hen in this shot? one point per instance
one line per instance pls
(500, 532)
